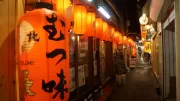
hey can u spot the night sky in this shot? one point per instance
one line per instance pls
(133, 12)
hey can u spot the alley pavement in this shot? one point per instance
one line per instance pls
(140, 84)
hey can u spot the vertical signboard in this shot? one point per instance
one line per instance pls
(143, 32)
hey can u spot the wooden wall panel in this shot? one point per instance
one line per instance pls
(7, 50)
(4, 91)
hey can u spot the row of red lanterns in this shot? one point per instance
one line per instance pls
(86, 23)
(95, 27)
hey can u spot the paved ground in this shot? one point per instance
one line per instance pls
(140, 86)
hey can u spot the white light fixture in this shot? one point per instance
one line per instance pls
(89, 0)
(103, 11)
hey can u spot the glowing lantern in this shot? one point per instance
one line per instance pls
(90, 21)
(112, 33)
(125, 40)
(129, 40)
(147, 47)
(134, 44)
(116, 37)
(99, 27)
(80, 14)
(43, 55)
(133, 51)
(105, 27)
(107, 36)
(62, 5)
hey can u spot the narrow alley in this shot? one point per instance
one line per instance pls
(141, 84)
(89, 50)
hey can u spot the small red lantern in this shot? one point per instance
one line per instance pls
(98, 27)
(105, 27)
(80, 14)
(125, 40)
(62, 5)
(112, 34)
(129, 40)
(90, 28)
(133, 51)
(134, 44)
(116, 37)
(107, 36)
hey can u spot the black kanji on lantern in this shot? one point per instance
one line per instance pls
(48, 87)
(51, 29)
(56, 52)
(62, 23)
(72, 23)
(32, 36)
(60, 86)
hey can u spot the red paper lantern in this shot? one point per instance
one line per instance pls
(112, 34)
(125, 40)
(98, 27)
(129, 40)
(62, 5)
(90, 28)
(105, 27)
(133, 44)
(80, 14)
(133, 51)
(43, 55)
(116, 37)
(107, 35)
